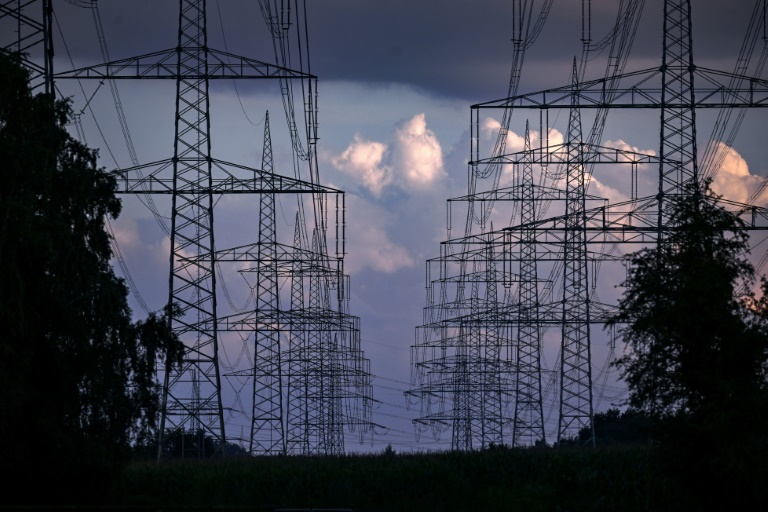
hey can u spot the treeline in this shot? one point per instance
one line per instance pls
(78, 375)
(181, 444)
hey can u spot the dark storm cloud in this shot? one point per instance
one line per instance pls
(451, 48)
(132, 28)
(448, 48)
(463, 49)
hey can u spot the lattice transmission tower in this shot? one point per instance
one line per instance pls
(309, 378)
(558, 235)
(26, 30)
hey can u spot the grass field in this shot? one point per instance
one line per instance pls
(539, 479)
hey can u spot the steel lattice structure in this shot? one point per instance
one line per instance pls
(576, 361)
(308, 376)
(528, 426)
(31, 22)
(551, 258)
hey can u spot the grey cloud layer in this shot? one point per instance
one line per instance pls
(450, 48)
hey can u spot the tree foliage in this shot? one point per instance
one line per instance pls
(694, 339)
(698, 345)
(615, 427)
(78, 376)
(180, 443)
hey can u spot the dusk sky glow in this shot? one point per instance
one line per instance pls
(396, 81)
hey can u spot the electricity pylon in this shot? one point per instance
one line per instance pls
(528, 427)
(194, 177)
(588, 231)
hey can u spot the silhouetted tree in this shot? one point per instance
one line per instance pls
(698, 347)
(614, 427)
(181, 443)
(78, 376)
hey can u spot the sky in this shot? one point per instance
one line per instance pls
(397, 79)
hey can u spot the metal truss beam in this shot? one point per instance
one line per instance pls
(163, 65)
(647, 92)
(231, 179)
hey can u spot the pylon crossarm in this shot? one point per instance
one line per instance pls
(282, 253)
(508, 315)
(597, 94)
(626, 216)
(515, 194)
(744, 90)
(637, 216)
(590, 94)
(558, 154)
(300, 269)
(442, 420)
(474, 277)
(194, 410)
(163, 65)
(296, 321)
(232, 179)
(755, 217)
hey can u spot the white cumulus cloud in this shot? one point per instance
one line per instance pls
(126, 233)
(417, 154)
(733, 180)
(596, 187)
(375, 250)
(370, 246)
(624, 146)
(363, 159)
(516, 142)
(412, 158)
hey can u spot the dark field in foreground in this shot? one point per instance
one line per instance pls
(497, 479)
(537, 479)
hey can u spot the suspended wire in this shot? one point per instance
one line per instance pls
(124, 267)
(245, 113)
(281, 47)
(524, 36)
(603, 373)
(249, 301)
(245, 352)
(621, 42)
(78, 122)
(89, 4)
(82, 89)
(117, 252)
(148, 200)
(282, 55)
(714, 155)
(626, 16)
(113, 239)
(234, 82)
